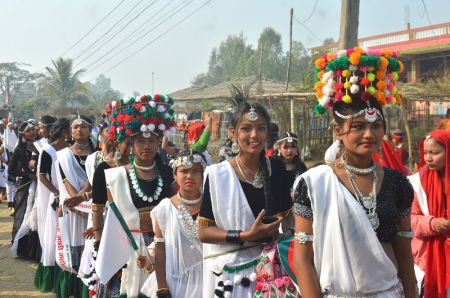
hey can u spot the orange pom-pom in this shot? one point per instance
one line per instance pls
(380, 96)
(398, 99)
(358, 50)
(319, 94)
(380, 74)
(383, 63)
(330, 56)
(381, 85)
(402, 66)
(318, 86)
(387, 53)
(320, 63)
(354, 58)
(320, 74)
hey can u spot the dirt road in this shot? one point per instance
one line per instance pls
(16, 275)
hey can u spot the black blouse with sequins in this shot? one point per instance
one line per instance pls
(393, 202)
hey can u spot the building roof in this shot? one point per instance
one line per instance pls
(222, 90)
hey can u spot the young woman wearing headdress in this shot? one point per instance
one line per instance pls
(19, 169)
(138, 187)
(72, 215)
(47, 190)
(430, 216)
(353, 217)
(286, 149)
(244, 200)
(178, 252)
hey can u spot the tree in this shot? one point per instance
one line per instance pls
(16, 82)
(62, 87)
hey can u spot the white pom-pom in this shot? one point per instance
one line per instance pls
(126, 100)
(114, 103)
(252, 276)
(330, 92)
(151, 127)
(324, 100)
(161, 127)
(325, 89)
(91, 287)
(341, 53)
(152, 103)
(166, 115)
(237, 279)
(117, 130)
(331, 83)
(143, 127)
(387, 92)
(161, 108)
(352, 67)
(353, 79)
(227, 294)
(143, 109)
(228, 282)
(138, 99)
(173, 129)
(354, 89)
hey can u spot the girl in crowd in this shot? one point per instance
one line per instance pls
(26, 245)
(72, 178)
(286, 148)
(430, 217)
(139, 186)
(244, 200)
(178, 252)
(48, 193)
(227, 151)
(353, 217)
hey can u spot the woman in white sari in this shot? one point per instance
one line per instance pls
(353, 216)
(48, 202)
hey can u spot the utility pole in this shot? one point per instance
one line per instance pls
(348, 32)
(288, 73)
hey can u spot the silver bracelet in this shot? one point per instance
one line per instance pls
(159, 240)
(302, 237)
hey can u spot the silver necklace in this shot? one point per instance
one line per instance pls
(81, 146)
(358, 171)
(137, 187)
(370, 201)
(82, 162)
(144, 168)
(257, 180)
(187, 223)
(100, 157)
(189, 202)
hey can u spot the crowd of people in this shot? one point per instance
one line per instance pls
(113, 209)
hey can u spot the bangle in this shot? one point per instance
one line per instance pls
(405, 234)
(234, 236)
(158, 239)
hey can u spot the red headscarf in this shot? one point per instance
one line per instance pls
(390, 158)
(194, 133)
(437, 263)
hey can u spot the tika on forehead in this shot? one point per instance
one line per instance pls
(358, 72)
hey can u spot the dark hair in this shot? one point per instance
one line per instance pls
(83, 117)
(58, 128)
(299, 166)
(48, 120)
(356, 105)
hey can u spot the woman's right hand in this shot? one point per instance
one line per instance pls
(441, 225)
(260, 230)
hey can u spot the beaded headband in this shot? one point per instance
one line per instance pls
(187, 161)
(145, 114)
(79, 120)
(289, 138)
(357, 71)
(29, 125)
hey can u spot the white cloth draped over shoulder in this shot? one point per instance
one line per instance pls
(77, 177)
(348, 256)
(47, 216)
(90, 166)
(133, 277)
(231, 212)
(184, 259)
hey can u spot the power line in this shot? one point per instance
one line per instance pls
(117, 32)
(165, 18)
(307, 29)
(108, 31)
(93, 28)
(311, 14)
(159, 36)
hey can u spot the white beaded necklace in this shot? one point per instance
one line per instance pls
(144, 168)
(137, 187)
(189, 202)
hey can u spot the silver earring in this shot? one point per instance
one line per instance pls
(117, 155)
(235, 147)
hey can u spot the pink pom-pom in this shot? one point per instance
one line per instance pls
(329, 104)
(341, 53)
(389, 98)
(350, 51)
(324, 55)
(338, 73)
(363, 68)
(338, 96)
(389, 76)
(390, 86)
(339, 86)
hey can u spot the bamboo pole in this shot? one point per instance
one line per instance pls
(404, 108)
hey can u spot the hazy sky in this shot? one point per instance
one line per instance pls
(37, 31)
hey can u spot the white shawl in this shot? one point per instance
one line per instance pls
(420, 193)
(348, 256)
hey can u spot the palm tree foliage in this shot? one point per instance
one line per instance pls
(62, 87)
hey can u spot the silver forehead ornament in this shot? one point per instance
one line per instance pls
(251, 115)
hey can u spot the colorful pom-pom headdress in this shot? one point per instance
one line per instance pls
(357, 72)
(145, 114)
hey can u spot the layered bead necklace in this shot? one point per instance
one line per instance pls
(187, 223)
(257, 180)
(137, 186)
(370, 201)
(100, 157)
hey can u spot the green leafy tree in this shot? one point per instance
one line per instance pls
(62, 86)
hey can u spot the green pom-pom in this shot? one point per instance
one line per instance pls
(168, 121)
(339, 63)
(370, 61)
(119, 138)
(171, 101)
(132, 100)
(159, 115)
(162, 97)
(393, 64)
(394, 76)
(371, 77)
(319, 109)
(145, 115)
(371, 90)
(171, 112)
(121, 102)
(316, 70)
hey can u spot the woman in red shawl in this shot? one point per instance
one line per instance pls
(430, 214)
